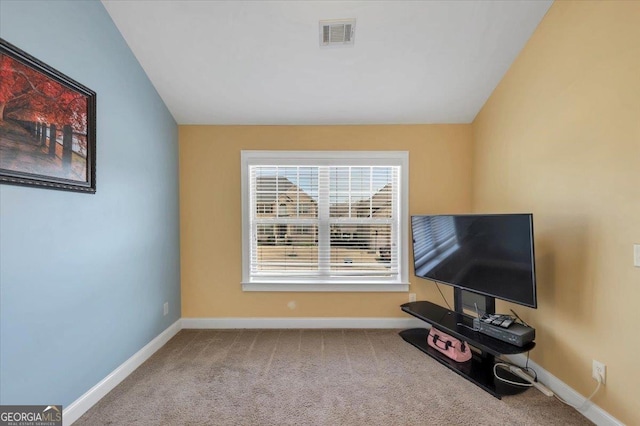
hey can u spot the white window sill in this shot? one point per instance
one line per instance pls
(333, 287)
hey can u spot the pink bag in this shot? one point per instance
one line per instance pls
(453, 348)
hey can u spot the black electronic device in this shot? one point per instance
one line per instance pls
(516, 334)
(491, 255)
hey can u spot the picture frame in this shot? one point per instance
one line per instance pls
(47, 125)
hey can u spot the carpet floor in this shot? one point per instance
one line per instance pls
(309, 377)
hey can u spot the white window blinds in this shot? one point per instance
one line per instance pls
(315, 220)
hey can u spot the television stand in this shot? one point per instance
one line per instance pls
(479, 369)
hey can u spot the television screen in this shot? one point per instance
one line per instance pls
(491, 255)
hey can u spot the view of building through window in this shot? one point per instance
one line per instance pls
(331, 220)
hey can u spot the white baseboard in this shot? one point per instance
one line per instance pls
(271, 323)
(590, 410)
(81, 405)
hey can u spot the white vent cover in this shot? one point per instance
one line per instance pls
(337, 32)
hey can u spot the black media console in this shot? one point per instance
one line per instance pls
(479, 369)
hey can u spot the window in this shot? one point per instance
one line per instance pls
(324, 220)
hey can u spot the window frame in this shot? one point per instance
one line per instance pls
(327, 158)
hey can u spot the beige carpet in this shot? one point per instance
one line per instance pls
(309, 377)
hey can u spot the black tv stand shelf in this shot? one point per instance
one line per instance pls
(479, 369)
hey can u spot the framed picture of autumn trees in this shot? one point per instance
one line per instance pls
(47, 125)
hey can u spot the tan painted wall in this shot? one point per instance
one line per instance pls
(560, 137)
(210, 210)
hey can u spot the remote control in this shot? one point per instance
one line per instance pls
(506, 323)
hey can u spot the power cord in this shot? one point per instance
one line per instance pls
(443, 298)
(527, 368)
(507, 366)
(502, 379)
(527, 378)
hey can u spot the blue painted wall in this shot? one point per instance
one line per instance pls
(83, 278)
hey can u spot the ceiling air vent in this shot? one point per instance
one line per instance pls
(337, 32)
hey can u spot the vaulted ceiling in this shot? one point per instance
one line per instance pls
(260, 62)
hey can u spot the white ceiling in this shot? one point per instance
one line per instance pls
(259, 62)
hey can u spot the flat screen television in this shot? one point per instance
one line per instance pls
(490, 255)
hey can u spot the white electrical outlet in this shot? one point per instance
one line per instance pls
(599, 369)
(412, 297)
(166, 308)
(636, 255)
